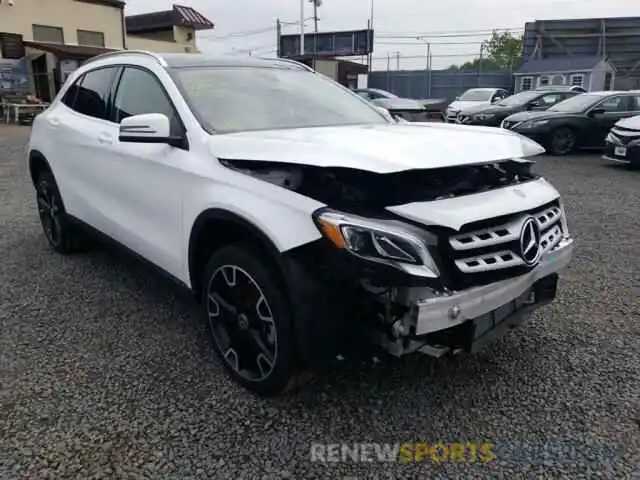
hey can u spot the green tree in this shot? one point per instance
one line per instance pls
(503, 51)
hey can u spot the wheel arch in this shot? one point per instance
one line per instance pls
(37, 164)
(216, 227)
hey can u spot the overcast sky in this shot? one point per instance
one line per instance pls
(391, 17)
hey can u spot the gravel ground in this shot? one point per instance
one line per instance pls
(104, 372)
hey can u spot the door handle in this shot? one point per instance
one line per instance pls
(54, 122)
(105, 138)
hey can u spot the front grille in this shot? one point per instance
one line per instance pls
(493, 247)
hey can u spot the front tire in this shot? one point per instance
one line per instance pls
(562, 141)
(249, 320)
(60, 234)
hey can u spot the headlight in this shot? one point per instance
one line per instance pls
(533, 123)
(382, 242)
(611, 138)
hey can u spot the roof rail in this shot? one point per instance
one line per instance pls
(289, 60)
(157, 57)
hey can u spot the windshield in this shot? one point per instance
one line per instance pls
(249, 98)
(519, 99)
(476, 95)
(576, 104)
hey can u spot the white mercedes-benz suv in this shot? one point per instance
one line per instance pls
(306, 221)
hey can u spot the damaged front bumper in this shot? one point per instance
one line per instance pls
(469, 319)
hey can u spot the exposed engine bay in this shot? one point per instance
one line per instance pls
(363, 191)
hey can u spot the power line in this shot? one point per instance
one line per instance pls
(418, 44)
(444, 55)
(442, 35)
(438, 32)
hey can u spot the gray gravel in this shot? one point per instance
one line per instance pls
(105, 373)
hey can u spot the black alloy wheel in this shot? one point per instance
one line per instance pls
(249, 320)
(562, 141)
(62, 237)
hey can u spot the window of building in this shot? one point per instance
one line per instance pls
(544, 80)
(526, 83)
(140, 92)
(88, 37)
(46, 33)
(93, 92)
(577, 80)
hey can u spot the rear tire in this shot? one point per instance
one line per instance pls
(62, 236)
(562, 141)
(249, 320)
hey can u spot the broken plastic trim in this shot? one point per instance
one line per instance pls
(369, 193)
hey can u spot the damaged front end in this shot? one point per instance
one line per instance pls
(410, 282)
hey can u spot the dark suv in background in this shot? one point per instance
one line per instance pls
(539, 99)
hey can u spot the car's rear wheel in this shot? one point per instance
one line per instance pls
(60, 234)
(249, 320)
(562, 141)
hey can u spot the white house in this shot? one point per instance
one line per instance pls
(593, 73)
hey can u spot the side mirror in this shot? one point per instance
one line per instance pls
(533, 105)
(148, 128)
(458, 98)
(597, 111)
(496, 100)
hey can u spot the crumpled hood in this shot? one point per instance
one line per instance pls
(383, 148)
(631, 122)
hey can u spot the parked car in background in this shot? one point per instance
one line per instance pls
(405, 108)
(582, 121)
(623, 142)
(475, 97)
(374, 93)
(493, 115)
(570, 88)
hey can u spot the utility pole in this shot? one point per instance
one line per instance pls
(398, 60)
(316, 4)
(480, 63)
(370, 42)
(278, 36)
(388, 68)
(428, 70)
(302, 28)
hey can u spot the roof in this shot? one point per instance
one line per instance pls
(560, 64)
(188, 60)
(68, 51)
(185, 60)
(108, 3)
(179, 15)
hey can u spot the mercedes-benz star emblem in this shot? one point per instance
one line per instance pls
(530, 242)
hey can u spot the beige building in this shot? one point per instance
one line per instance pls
(43, 41)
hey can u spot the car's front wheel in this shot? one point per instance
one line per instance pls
(562, 141)
(60, 234)
(249, 320)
